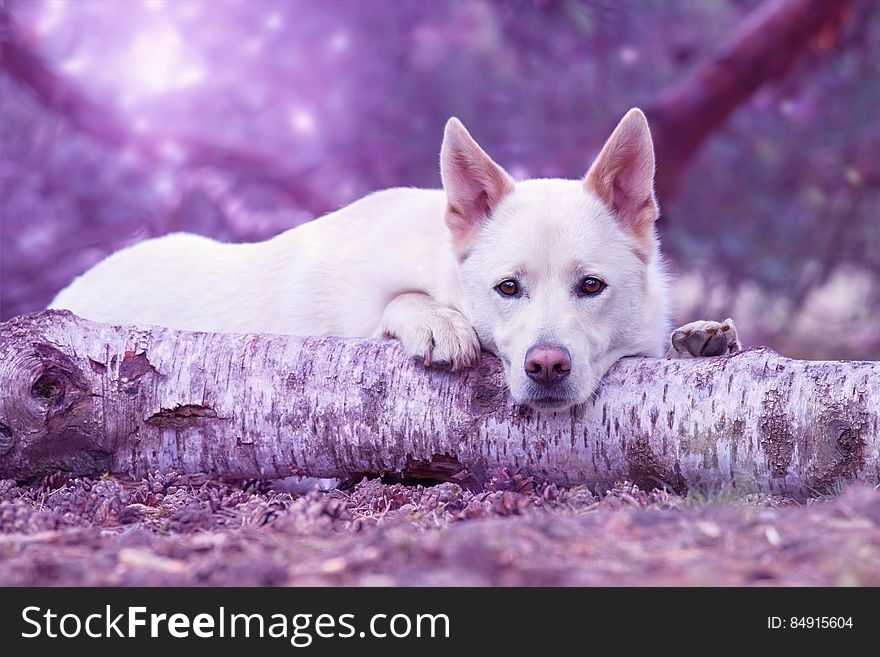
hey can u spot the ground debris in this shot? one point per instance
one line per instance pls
(175, 529)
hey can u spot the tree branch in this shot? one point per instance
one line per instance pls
(100, 122)
(88, 398)
(761, 49)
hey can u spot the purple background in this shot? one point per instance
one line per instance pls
(238, 119)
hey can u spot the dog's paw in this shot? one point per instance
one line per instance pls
(441, 337)
(704, 338)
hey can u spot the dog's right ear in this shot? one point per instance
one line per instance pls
(623, 178)
(474, 184)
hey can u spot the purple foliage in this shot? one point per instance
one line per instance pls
(239, 119)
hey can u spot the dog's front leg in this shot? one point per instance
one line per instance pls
(704, 338)
(430, 331)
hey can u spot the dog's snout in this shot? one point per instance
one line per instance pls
(548, 365)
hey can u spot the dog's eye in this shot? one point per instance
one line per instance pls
(508, 288)
(591, 286)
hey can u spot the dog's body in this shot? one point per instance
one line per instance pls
(332, 276)
(559, 278)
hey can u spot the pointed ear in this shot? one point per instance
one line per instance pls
(474, 184)
(623, 178)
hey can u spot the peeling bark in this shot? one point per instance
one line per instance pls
(89, 398)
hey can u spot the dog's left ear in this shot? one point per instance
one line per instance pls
(474, 184)
(623, 178)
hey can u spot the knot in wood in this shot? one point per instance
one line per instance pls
(842, 432)
(50, 388)
(7, 440)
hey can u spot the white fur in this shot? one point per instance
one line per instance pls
(390, 265)
(576, 236)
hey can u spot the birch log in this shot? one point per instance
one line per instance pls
(89, 398)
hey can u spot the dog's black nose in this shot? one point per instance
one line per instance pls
(548, 365)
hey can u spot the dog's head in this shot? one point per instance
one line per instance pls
(560, 277)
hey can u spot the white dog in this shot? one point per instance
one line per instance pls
(559, 278)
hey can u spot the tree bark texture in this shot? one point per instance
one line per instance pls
(89, 398)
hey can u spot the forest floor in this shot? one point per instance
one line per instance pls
(190, 530)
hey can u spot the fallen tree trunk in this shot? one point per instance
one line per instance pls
(89, 398)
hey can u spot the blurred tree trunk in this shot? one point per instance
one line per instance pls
(762, 48)
(759, 50)
(88, 398)
(101, 122)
